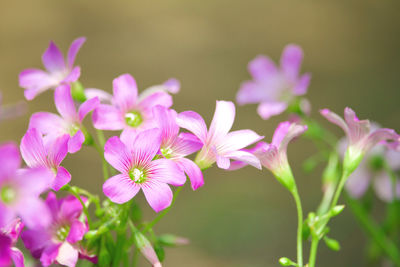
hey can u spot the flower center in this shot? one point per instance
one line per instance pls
(73, 129)
(62, 232)
(137, 175)
(133, 118)
(166, 152)
(7, 194)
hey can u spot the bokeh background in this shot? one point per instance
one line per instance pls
(242, 218)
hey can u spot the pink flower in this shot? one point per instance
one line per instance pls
(135, 160)
(36, 81)
(360, 137)
(8, 238)
(20, 190)
(58, 243)
(274, 88)
(48, 154)
(70, 121)
(219, 145)
(127, 111)
(176, 147)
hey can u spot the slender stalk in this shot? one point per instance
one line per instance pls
(313, 252)
(84, 208)
(374, 231)
(299, 227)
(339, 189)
(100, 149)
(150, 225)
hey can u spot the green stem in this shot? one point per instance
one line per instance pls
(74, 192)
(339, 189)
(374, 231)
(299, 228)
(313, 252)
(162, 213)
(100, 148)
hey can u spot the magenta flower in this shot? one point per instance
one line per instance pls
(36, 81)
(58, 243)
(8, 238)
(134, 159)
(274, 88)
(176, 147)
(20, 190)
(219, 145)
(70, 121)
(48, 154)
(127, 111)
(360, 137)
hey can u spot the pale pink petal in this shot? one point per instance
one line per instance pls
(157, 98)
(32, 149)
(194, 123)
(291, 59)
(193, 172)
(258, 150)
(77, 231)
(63, 177)
(107, 117)
(64, 103)
(222, 121)
(237, 140)
(358, 129)
(293, 131)
(57, 150)
(10, 160)
(359, 181)
(87, 107)
(75, 142)
(383, 186)
(262, 68)
(6, 215)
(73, 75)
(393, 159)
(251, 92)
(166, 121)
(302, 84)
(117, 154)
(245, 157)
(125, 92)
(17, 257)
(104, 97)
(73, 50)
(334, 118)
(380, 135)
(120, 188)
(223, 162)
(49, 254)
(145, 146)
(53, 59)
(34, 180)
(48, 123)
(158, 195)
(35, 81)
(67, 255)
(29, 208)
(186, 144)
(268, 109)
(172, 85)
(166, 171)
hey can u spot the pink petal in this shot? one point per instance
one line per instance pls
(35, 239)
(358, 129)
(125, 92)
(186, 144)
(158, 195)
(302, 84)
(63, 177)
(107, 117)
(334, 118)
(291, 59)
(57, 149)
(9, 160)
(117, 154)
(166, 120)
(73, 50)
(49, 254)
(268, 109)
(104, 97)
(73, 75)
(70, 207)
(48, 123)
(237, 140)
(145, 146)
(158, 98)
(172, 85)
(383, 186)
(286, 133)
(87, 107)
(67, 255)
(77, 231)
(258, 150)
(193, 122)
(251, 92)
(359, 181)
(34, 181)
(28, 210)
(380, 135)
(35, 81)
(5, 244)
(245, 157)
(222, 121)
(64, 103)
(32, 149)
(53, 59)
(120, 188)
(75, 142)
(193, 172)
(262, 68)
(223, 162)
(166, 171)
(6, 216)
(17, 257)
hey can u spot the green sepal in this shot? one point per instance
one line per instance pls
(78, 92)
(286, 262)
(160, 252)
(332, 243)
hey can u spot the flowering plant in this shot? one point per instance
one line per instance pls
(152, 151)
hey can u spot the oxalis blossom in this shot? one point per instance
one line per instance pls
(20, 190)
(47, 154)
(127, 111)
(359, 135)
(36, 81)
(70, 121)
(220, 145)
(8, 238)
(58, 243)
(134, 158)
(176, 147)
(274, 87)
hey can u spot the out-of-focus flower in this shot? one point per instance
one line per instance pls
(47, 153)
(8, 238)
(134, 159)
(220, 145)
(176, 147)
(11, 111)
(58, 243)
(127, 111)
(20, 190)
(70, 121)
(360, 137)
(274, 87)
(36, 81)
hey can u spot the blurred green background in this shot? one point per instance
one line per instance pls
(242, 218)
